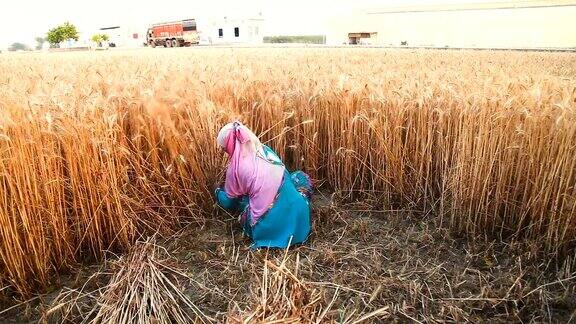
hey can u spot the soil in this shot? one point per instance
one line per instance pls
(361, 261)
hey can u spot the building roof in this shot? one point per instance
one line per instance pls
(474, 6)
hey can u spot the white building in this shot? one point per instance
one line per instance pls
(125, 36)
(496, 24)
(231, 28)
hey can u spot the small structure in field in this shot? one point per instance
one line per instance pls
(362, 38)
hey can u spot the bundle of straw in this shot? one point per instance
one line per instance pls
(282, 297)
(144, 289)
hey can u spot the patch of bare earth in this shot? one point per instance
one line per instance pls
(358, 266)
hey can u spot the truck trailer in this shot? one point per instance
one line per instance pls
(173, 34)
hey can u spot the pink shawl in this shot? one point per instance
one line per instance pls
(249, 171)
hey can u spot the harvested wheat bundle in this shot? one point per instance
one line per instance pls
(146, 288)
(282, 297)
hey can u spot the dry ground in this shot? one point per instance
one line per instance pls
(357, 261)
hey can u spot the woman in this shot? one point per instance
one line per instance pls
(274, 204)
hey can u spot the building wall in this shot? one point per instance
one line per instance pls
(124, 36)
(250, 30)
(497, 28)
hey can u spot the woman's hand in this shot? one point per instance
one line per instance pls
(218, 185)
(220, 181)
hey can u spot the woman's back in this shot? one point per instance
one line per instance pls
(275, 213)
(259, 178)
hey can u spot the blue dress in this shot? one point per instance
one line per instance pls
(287, 222)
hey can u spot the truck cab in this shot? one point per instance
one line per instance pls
(150, 38)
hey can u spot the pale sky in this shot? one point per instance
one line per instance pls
(22, 20)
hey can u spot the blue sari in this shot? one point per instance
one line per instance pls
(287, 222)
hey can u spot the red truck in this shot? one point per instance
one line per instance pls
(173, 34)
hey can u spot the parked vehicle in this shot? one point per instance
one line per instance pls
(173, 34)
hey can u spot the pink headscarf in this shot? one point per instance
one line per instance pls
(249, 171)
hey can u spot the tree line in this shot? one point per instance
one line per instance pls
(57, 35)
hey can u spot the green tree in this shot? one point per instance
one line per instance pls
(61, 33)
(19, 47)
(40, 42)
(99, 38)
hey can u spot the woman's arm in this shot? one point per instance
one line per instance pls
(228, 203)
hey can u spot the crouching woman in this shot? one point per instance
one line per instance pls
(274, 205)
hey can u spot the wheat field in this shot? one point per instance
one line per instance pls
(98, 149)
